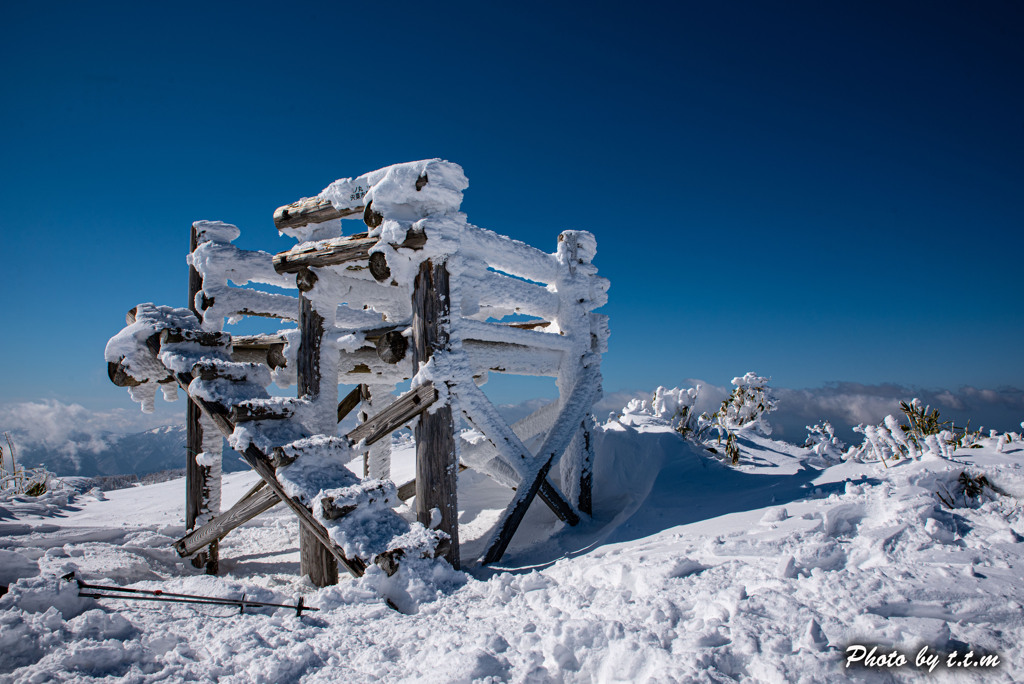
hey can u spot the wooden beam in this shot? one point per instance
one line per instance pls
(578, 401)
(336, 251)
(246, 411)
(485, 418)
(265, 349)
(203, 338)
(436, 459)
(324, 253)
(315, 559)
(346, 405)
(401, 411)
(242, 512)
(309, 210)
(197, 477)
(259, 462)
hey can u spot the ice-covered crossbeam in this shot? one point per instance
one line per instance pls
(430, 185)
(336, 251)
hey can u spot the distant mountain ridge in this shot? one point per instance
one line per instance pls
(139, 453)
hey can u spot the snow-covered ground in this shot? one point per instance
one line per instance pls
(690, 570)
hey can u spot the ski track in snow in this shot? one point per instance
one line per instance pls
(689, 571)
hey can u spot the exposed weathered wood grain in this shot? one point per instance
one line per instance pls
(245, 510)
(314, 560)
(336, 251)
(309, 210)
(265, 349)
(197, 477)
(436, 459)
(245, 411)
(392, 346)
(203, 338)
(397, 414)
(346, 405)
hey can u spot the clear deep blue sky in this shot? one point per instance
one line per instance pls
(819, 191)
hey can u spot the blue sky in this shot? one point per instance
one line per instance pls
(820, 192)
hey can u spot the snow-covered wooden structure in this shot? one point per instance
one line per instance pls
(421, 295)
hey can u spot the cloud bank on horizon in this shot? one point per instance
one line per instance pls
(72, 430)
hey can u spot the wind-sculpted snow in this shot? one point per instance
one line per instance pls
(690, 570)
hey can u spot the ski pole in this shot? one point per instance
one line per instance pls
(171, 597)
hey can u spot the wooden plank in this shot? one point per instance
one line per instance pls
(397, 414)
(197, 477)
(246, 411)
(203, 338)
(337, 251)
(325, 253)
(242, 512)
(309, 210)
(556, 501)
(346, 405)
(436, 459)
(265, 349)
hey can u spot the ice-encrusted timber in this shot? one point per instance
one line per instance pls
(422, 295)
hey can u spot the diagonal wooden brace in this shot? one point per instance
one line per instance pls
(262, 499)
(484, 416)
(242, 512)
(557, 441)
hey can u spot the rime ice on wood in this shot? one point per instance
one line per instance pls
(421, 295)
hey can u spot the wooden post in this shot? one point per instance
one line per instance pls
(436, 460)
(315, 559)
(577, 464)
(197, 477)
(377, 457)
(586, 446)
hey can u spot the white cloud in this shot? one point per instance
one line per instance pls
(71, 429)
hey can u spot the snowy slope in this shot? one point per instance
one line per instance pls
(690, 570)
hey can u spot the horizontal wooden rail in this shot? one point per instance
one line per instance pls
(309, 210)
(336, 251)
(511, 256)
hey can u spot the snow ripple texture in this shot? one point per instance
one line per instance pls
(689, 571)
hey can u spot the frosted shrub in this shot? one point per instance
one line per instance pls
(676, 406)
(822, 440)
(745, 408)
(925, 434)
(747, 405)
